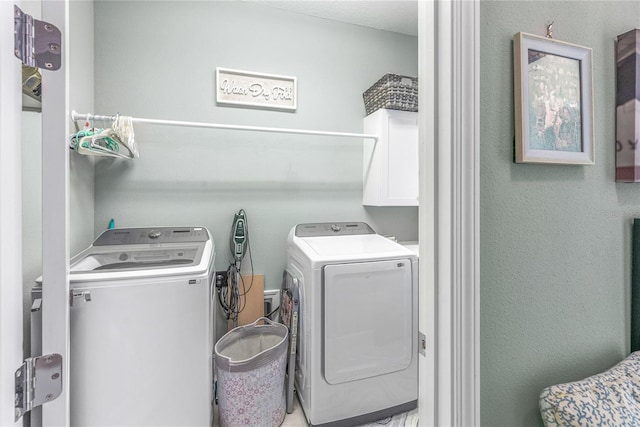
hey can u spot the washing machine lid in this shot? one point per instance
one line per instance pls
(137, 258)
(144, 252)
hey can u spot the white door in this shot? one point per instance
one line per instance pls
(55, 215)
(54, 206)
(10, 216)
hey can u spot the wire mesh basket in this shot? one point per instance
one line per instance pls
(394, 92)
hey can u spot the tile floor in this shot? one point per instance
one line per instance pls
(297, 418)
(294, 419)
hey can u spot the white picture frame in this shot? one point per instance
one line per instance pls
(553, 101)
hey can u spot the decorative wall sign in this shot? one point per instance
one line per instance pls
(553, 101)
(628, 107)
(256, 90)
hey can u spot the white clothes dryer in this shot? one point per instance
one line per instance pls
(357, 358)
(413, 246)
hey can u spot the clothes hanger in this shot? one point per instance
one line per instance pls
(92, 141)
(123, 127)
(108, 143)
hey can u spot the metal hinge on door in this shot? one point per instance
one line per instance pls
(37, 43)
(38, 381)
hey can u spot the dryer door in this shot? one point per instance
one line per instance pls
(367, 319)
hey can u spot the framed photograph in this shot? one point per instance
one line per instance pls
(553, 101)
(627, 107)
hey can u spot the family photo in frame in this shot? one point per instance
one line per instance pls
(553, 101)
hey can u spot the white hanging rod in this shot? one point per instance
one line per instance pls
(88, 117)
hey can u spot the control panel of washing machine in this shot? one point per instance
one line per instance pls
(136, 236)
(333, 229)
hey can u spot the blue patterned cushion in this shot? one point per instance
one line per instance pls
(611, 398)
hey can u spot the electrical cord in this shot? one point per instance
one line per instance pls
(268, 316)
(223, 298)
(231, 300)
(242, 300)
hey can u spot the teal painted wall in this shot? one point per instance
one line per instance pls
(555, 240)
(158, 60)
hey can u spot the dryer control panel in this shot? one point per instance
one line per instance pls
(333, 229)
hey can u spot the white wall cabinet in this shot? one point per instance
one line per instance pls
(390, 168)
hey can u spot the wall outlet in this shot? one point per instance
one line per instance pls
(221, 279)
(271, 302)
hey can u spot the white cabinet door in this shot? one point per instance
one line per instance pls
(391, 164)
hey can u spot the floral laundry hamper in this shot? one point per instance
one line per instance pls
(250, 367)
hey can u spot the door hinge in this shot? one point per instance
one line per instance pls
(37, 43)
(38, 381)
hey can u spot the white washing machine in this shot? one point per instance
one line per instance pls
(141, 328)
(357, 357)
